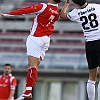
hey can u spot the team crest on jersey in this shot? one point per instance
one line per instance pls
(6, 80)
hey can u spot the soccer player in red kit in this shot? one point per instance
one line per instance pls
(39, 39)
(7, 84)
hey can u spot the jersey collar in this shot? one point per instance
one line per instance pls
(53, 4)
(8, 75)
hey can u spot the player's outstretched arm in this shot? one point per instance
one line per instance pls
(5, 15)
(23, 11)
(63, 13)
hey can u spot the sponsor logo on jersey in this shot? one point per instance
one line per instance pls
(3, 85)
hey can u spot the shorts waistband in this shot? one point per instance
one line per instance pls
(40, 36)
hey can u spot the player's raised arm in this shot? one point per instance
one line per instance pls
(63, 13)
(22, 11)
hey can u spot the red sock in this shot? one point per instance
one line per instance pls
(31, 78)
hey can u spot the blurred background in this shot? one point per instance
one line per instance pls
(63, 73)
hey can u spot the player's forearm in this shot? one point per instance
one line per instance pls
(64, 9)
(21, 11)
(12, 92)
(63, 12)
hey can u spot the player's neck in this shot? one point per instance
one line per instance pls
(52, 2)
(83, 6)
(6, 75)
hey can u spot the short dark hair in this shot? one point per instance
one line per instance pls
(7, 64)
(79, 2)
(58, 1)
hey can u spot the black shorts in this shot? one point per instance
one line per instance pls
(93, 53)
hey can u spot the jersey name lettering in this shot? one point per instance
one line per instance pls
(53, 11)
(87, 11)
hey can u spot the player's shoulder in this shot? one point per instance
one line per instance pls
(74, 11)
(12, 77)
(40, 4)
(44, 4)
(93, 5)
(73, 15)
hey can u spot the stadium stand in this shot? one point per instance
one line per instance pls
(61, 44)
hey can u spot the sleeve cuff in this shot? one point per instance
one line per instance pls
(7, 15)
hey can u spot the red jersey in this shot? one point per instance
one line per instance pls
(46, 15)
(6, 85)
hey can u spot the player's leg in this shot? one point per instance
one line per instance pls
(93, 69)
(33, 65)
(32, 74)
(34, 45)
(91, 83)
(31, 78)
(98, 89)
(38, 64)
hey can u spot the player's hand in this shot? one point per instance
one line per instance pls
(1, 14)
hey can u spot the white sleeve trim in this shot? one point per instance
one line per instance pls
(7, 15)
(12, 87)
(43, 8)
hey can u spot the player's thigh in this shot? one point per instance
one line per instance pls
(45, 47)
(34, 45)
(91, 56)
(32, 61)
(98, 51)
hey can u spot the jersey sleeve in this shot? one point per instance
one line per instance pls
(27, 10)
(13, 84)
(73, 15)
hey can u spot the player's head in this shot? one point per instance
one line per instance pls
(7, 69)
(79, 2)
(57, 1)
